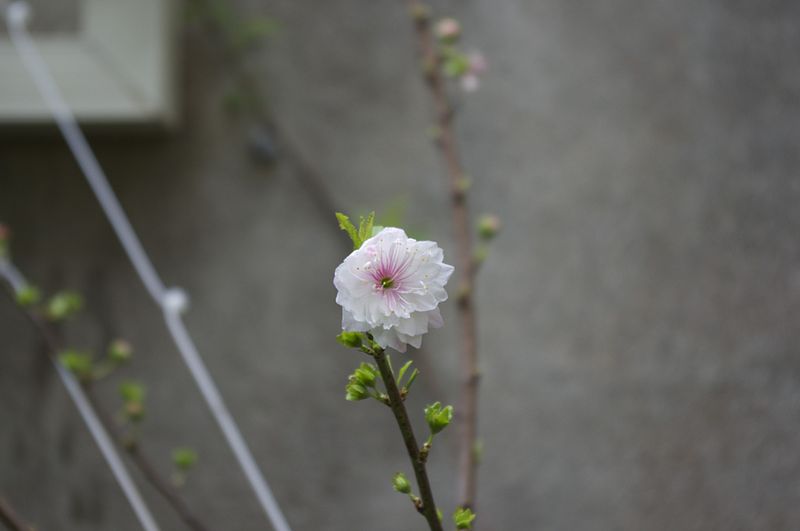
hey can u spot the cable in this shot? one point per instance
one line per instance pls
(99, 434)
(173, 301)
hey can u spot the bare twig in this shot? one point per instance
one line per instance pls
(149, 471)
(428, 508)
(10, 518)
(468, 410)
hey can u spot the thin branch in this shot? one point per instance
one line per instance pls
(145, 466)
(428, 508)
(10, 519)
(148, 470)
(467, 413)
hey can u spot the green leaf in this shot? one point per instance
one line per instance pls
(463, 518)
(411, 378)
(365, 227)
(403, 370)
(346, 225)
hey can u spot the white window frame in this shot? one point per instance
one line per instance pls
(118, 69)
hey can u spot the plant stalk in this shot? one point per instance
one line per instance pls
(401, 415)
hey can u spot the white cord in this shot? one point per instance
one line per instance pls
(173, 301)
(17, 282)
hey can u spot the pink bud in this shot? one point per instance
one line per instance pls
(448, 29)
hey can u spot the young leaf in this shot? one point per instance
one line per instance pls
(365, 227)
(346, 225)
(403, 370)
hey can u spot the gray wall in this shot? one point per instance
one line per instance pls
(637, 316)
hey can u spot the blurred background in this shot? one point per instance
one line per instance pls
(637, 315)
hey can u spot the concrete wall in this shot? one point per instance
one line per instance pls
(638, 316)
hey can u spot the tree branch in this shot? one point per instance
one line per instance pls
(428, 508)
(148, 470)
(467, 413)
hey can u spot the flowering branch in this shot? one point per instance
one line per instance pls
(389, 288)
(427, 507)
(458, 182)
(10, 518)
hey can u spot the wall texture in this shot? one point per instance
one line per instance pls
(638, 316)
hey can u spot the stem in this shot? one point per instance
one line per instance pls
(10, 518)
(145, 466)
(149, 471)
(399, 409)
(467, 413)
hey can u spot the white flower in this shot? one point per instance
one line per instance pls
(391, 287)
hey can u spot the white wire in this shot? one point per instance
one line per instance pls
(173, 301)
(107, 448)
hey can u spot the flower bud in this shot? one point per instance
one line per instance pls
(438, 417)
(355, 391)
(28, 296)
(366, 374)
(463, 518)
(488, 226)
(401, 484)
(134, 411)
(350, 339)
(120, 351)
(184, 458)
(63, 304)
(78, 363)
(448, 30)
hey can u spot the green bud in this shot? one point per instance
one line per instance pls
(463, 518)
(455, 64)
(350, 339)
(366, 374)
(63, 304)
(131, 391)
(401, 484)
(120, 351)
(78, 363)
(28, 296)
(438, 417)
(184, 458)
(488, 226)
(355, 391)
